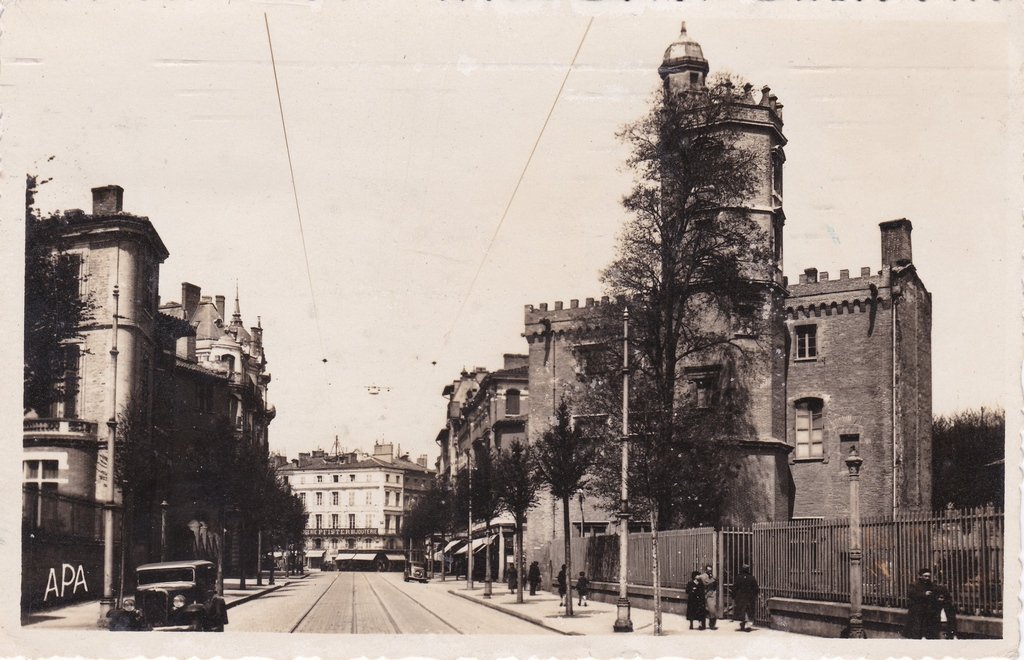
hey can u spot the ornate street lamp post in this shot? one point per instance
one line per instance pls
(853, 463)
(622, 621)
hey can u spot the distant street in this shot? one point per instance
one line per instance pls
(372, 603)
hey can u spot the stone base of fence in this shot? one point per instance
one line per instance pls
(672, 600)
(825, 619)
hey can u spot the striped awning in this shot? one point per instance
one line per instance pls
(364, 556)
(452, 544)
(395, 556)
(477, 544)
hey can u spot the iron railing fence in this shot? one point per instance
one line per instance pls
(809, 559)
(47, 512)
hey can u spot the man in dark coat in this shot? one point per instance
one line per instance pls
(511, 575)
(533, 577)
(562, 585)
(744, 596)
(928, 601)
(695, 609)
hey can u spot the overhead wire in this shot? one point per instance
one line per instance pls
(515, 190)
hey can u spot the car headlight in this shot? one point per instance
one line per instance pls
(179, 601)
(128, 604)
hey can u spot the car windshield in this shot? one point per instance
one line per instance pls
(152, 576)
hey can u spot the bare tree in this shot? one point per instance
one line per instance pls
(565, 459)
(515, 475)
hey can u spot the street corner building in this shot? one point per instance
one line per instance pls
(841, 361)
(357, 503)
(166, 374)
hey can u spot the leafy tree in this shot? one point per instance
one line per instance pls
(432, 514)
(515, 473)
(968, 453)
(54, 307)
(565, 458)
(695, 271)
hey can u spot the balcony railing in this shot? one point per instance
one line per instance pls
(60, 426)
(342, 531)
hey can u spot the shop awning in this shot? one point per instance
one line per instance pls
(452, 544)
(315, 554)
(345, 556)
(364, 556)
(438, 556)
(395, 556)
(477, 544)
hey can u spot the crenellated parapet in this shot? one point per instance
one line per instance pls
(557, 318)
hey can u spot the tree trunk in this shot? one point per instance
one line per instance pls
(444, 542)
(241, 554)
(568, 556)
(487, 560)
(259, 557)
(520, 563)
(656, 574)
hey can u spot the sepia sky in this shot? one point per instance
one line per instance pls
(409, 131)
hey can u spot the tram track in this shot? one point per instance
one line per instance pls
(317, 602)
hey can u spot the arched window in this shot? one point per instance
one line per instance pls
(318, 543)
(334, 543)
(511, 402)
(367, 543)
(810, 429)
(350, 543)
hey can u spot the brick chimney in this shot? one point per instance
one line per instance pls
(811, 274)
(190, 295)
(107, 200)
(421, 460)
(220, 307)
(896, 242)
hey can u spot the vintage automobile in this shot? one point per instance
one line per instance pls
(180, 594)
(415, 571)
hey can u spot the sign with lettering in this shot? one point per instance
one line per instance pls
(70, 576)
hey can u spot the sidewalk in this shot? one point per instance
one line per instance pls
(84, 615)
(596, 618)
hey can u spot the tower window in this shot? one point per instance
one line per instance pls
(694, 78)
(806, 342)
(810, 429)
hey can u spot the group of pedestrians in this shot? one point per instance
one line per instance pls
(702, 603)
(532, 578)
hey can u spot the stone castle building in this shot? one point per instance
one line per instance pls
(841, 362)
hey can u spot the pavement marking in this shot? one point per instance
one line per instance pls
(429, 611)
(303, 617)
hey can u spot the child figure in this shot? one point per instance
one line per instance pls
(582, 588)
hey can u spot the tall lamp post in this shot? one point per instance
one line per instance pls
(853, 463)
(622, 621)
(469, 533)
(163, 530)
(107, 602)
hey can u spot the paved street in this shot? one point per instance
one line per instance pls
(372, 603)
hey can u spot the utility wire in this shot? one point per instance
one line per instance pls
(295, 192)
(519, 182)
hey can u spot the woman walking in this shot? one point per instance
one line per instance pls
(696, 610)
(561, 585)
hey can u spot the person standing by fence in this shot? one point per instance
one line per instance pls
(744, 596)
(695, 607)
(928, 602)
(710, 595)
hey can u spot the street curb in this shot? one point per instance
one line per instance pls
(256, 594)
(518, 615)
